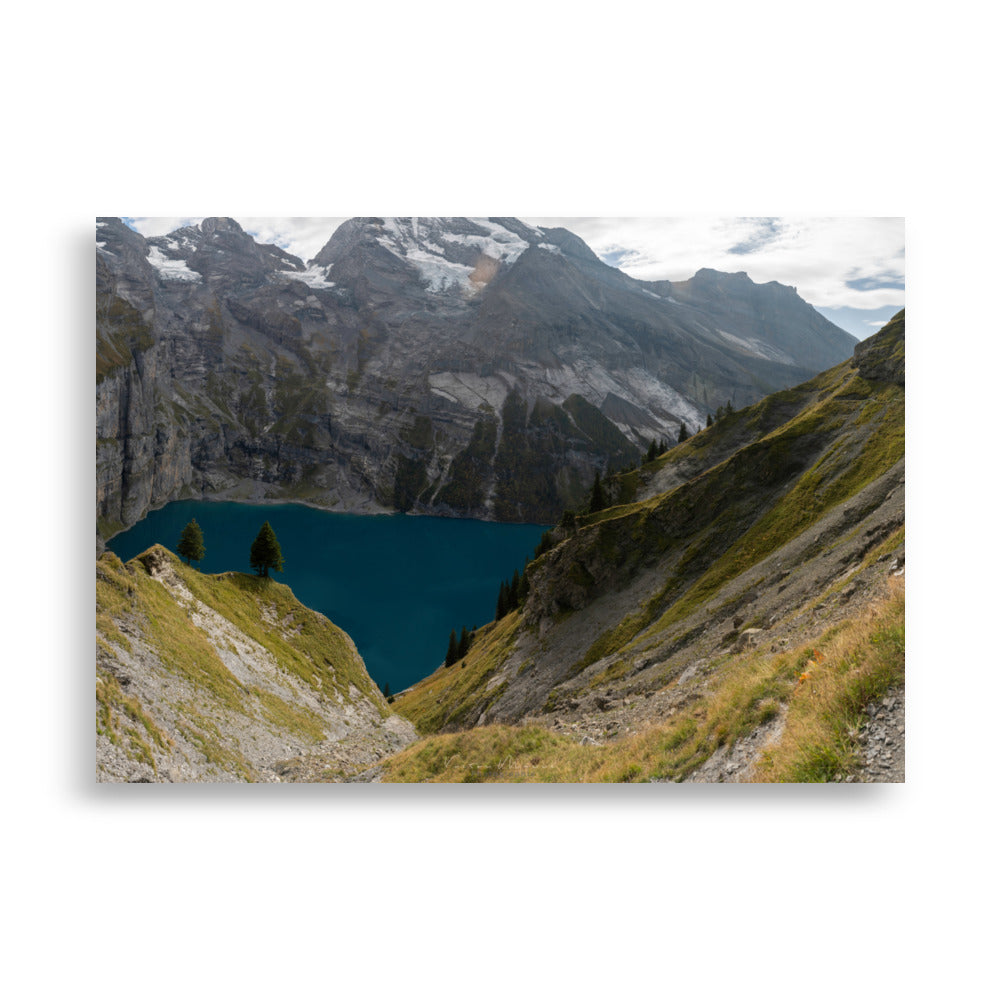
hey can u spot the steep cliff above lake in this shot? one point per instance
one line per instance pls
(471, 367)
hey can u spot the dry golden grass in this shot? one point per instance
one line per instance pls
(821, 686)
(855, 667)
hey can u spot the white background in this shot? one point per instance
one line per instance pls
(520, 109)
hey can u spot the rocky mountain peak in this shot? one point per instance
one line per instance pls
(217, 250)
(710, 276)
(221, 224)
(456, 240)
(451, 256)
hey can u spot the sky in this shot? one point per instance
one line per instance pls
(851, 269)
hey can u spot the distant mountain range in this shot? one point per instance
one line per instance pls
(465, 367)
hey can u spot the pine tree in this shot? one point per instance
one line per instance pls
(651, 451)
(191, 545)
(265, 553)
(464, 642)
(515, 590)
(503, 601)
(452, 655)
(708, 419)
(682, 435)
(523, 589)
(385, 691)
(598, 501)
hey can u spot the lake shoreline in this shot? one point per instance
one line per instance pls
(397, 584)
(366, 509)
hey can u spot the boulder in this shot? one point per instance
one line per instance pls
(748, 639)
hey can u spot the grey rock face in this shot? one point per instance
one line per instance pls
(472, 367)
(881, 358)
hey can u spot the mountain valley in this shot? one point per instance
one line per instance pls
(734, 613)
(720, 596)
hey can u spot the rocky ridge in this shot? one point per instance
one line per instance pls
(226, 678)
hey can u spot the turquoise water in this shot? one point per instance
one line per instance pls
(396, 584)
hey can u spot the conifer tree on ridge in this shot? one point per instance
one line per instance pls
(265, 553)
(192, 544)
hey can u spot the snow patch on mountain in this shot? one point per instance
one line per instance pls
(171, 270)
(178, 244)
(314, 276)
(438, 272)
(419, 242)
(501, 244)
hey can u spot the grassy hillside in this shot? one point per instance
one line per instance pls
(810, 699)
(217, 677)
(771, 527)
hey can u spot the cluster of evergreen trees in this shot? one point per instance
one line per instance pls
(265, 552)
(659, 447)
(458, 646)
(721, 413)
(600, 493)
(513, 594)
(604, 491)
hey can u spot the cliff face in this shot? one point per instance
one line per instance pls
(467, 367)
(226, 678)
(780, 521)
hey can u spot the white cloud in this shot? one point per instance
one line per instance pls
(302, 237)
(818, 256)
(161, 225)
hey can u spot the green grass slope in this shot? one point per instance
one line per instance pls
(779, 519)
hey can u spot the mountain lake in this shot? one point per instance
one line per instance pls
(397, 584)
